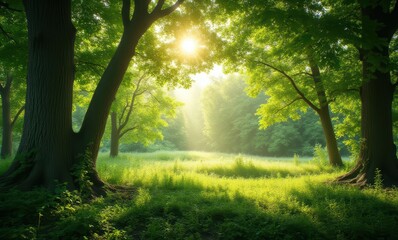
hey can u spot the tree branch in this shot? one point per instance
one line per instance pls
(7, 6)
(123, 112)
(126, 131)
(304, 73)
(293, 83)
(91, 63)
(94, 122)
(159, 13)
(290, 103)
(157, 100)
(17, 115)
(132, 102)
(141, 8)
(159, 6)
(6, 34)
(126, 7)
(93, 66)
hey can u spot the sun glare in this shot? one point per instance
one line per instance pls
(189, 46)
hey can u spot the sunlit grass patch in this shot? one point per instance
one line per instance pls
(206, 196)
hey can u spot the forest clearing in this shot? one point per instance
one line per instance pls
(199, 119)
(201, 195)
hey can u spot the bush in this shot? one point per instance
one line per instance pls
(320, 155)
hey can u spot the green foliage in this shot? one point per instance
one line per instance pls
(378, 180)
(320, 155)
(279, 48)
(81, 172)
(141, 111)
(13, 52)
(231, 124)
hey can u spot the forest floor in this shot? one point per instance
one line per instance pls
(199, 195)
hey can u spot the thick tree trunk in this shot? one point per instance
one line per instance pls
(114, 152)
(45, 155)
(6, 147)
(378, 151)
(324, 116)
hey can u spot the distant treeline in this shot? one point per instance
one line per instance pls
(222, 118)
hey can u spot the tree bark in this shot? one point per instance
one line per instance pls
(114, 152)
(324, 116)
(378, 151)
(6, 147)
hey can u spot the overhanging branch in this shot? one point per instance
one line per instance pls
(292, 82)
(159, 13)
(132, 102)
(17, 115)
(126, 131)
(302, 73)
(290, 103)
(93, 66)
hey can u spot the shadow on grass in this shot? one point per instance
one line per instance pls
(186, 210)
(191, 212)
(343, 212)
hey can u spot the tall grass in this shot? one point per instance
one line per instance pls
(195, 195)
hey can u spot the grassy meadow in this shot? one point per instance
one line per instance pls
(200, 195)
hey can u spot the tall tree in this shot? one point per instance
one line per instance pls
(7, 119)
(379, 23)
(49, 148)
(292, 55)
(13, 41)
(139, 112)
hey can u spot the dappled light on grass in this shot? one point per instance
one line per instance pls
(194, 195)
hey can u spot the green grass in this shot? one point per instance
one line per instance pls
(195, 195)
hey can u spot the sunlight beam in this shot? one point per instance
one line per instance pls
(189, 46)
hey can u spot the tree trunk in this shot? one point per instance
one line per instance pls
(324, 116)
(378, 151)
(45, 155)
(6, 147)
(114, 136)
(330, 137)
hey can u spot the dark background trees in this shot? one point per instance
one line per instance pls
(13, 52)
